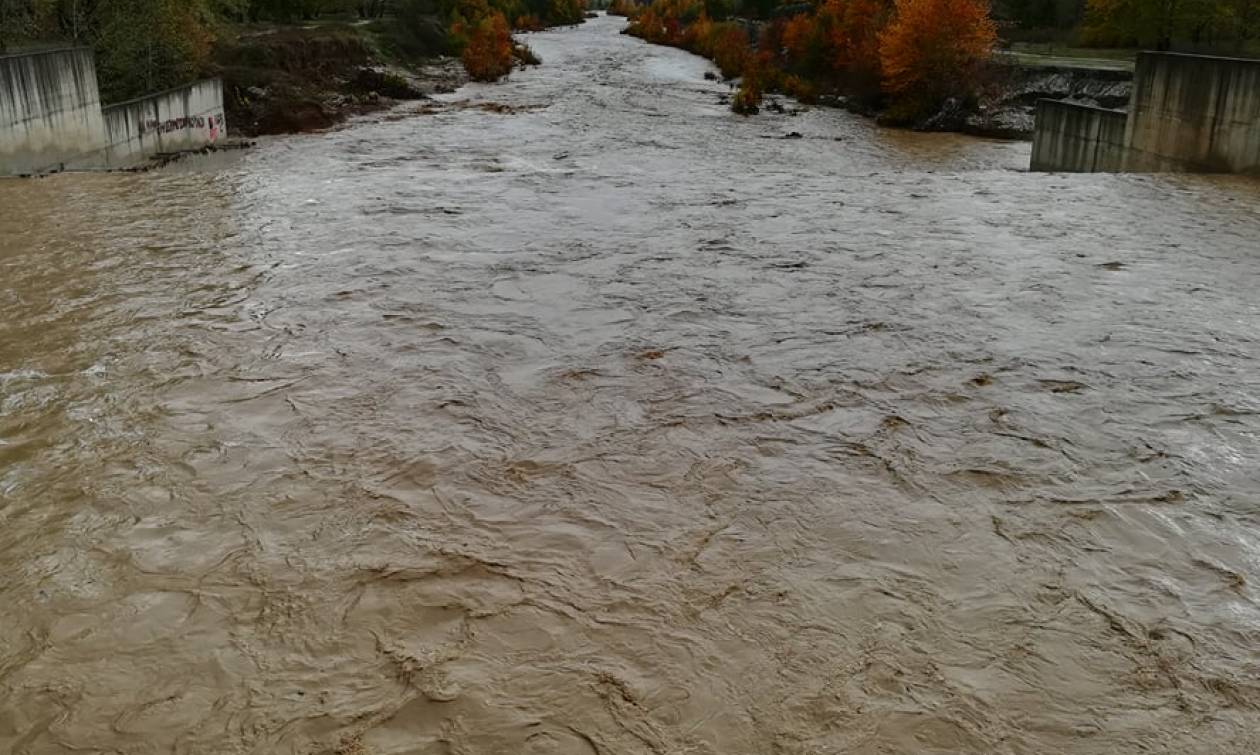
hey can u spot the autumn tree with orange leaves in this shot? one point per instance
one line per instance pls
(933, 50)
(907, 55)
(855, 35)
(488, 54)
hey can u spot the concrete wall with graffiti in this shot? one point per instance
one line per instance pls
(51, 117)
(50, 111)
(178, 120)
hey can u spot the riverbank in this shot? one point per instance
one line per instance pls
(289, 66)
(1006, 106)
(290, 79)
(795, 56)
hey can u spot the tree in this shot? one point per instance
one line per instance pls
(1165, 24)
(933, 50)
(148, 45)
(23, 21)
(855, 33)
(15, 22)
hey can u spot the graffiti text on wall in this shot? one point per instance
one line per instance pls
(182, 123)
(174, 124)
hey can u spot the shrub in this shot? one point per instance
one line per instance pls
(748, 99)
(524, 55)
(566, 11)
(627, 8)
(801, 89)
(414, 30)
(728, 44)
(488, 52)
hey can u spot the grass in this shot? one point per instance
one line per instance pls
(1059, 49)
(1067, 56)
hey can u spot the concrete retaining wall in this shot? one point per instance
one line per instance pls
(51, 117)
(1191, 112)
(1188, 113)
(178, 120)
(50, 111)
(1078, 138)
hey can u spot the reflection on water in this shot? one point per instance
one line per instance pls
(612, 422)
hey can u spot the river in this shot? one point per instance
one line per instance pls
(576, 414)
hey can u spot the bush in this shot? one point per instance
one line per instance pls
(488, 53)
(384, 83)
(524, 55)
(730, 50)
(748, 99)
(415, 30)
(566, 11)
(801, 89)
(627, 8)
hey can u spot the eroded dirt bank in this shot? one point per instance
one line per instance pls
(580, 415)
(293, 79)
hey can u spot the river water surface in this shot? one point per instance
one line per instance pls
(575, 414)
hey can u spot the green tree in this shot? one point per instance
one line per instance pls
(149, 45)
(1160, 24)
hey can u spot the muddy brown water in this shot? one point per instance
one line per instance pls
(600, 420)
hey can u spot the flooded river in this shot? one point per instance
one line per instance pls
(578, 415)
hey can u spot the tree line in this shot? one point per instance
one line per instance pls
(907, 58)
(1208, 26)
(903, 57)
(148, 45)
